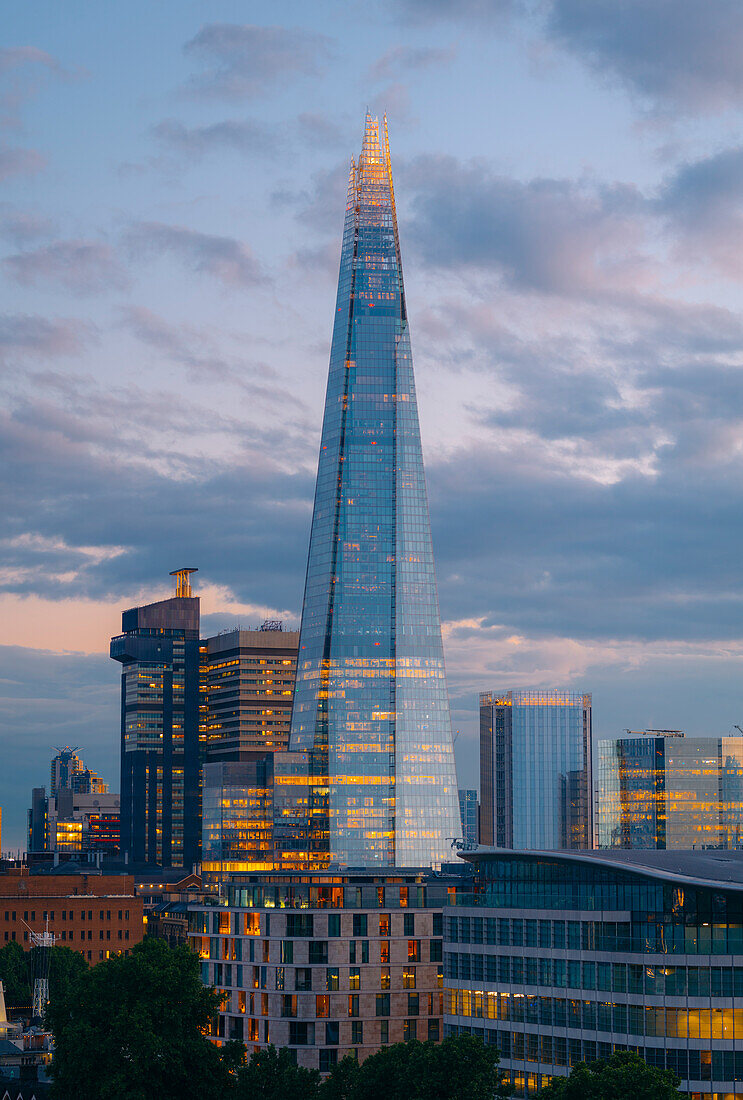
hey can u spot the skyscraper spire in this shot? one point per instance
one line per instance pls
(371, 708)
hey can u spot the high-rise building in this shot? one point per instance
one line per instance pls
(659, 789)
(64, 765)
(249, 690)
(74, 824)
(469, 809)
(535, 769)
(249, 678)
(69, 771)
(371, 709)
(160, 718)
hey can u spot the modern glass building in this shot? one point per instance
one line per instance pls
(160, 729)
(371, 709)
(659, 789)
(535, 769)
(469, 809)
(237, 816)
(563, 957)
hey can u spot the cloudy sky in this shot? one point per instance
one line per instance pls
(569, 177)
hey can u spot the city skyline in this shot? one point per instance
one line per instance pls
(169, 263)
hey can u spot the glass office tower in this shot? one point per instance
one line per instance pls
(371, 708)
(535, 769)
(659, 789)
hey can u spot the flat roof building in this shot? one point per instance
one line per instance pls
(563, 957)
(535, 769)
(660, 789)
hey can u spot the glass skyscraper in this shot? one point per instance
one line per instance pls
(371, 709)
(535, 769)
(659, 789)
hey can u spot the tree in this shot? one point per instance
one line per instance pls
(460, 1068)
(15, 974)
(625, 1075)
(272, 1074)
(136, 1026)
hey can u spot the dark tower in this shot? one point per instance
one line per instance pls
(160, 751)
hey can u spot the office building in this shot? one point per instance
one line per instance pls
(563, 957)
(469, 809)
(333, 964)
(160, 725)
(249, 677)
(97, 915)
(69, 824)
(371, 709)
(660, 789)
(65, 765)
(535, 769)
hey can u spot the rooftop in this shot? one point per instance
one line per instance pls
(701, 867)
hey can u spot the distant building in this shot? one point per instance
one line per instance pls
(249, 677)
(71, 824)
(160, 718)
(535, 769)
(469, 810)
(94, 914)
(68, 771)
(659, 789)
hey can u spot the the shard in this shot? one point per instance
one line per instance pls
(371, 710)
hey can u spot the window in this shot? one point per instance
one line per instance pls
(438, 924)
(413, 1004)
(384, 978)
(359, 924)
(409, 1030)
(301, 1034)
(437, 951)
(288, 1005)
(384, 951)
(433, 1031)
(383, 1004)
(357, 1032)
(331, 978)
(322, 1006)
(384, 924)
(287, 951)
(334, 924)
(384, 1031)
(303, 979)
(328, 1059)
(352, 951)
(354, 978)
(414, 950)
(331, 1033)
(299, 924)
(408, 977)
(318, 951)
(364, 951)
(408, 924)
(353, 1004)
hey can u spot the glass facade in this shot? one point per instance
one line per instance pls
(535, 769)
(237, 821)
(160, 731)
(560, 959)
(671, 792)
(371, 709)
(469, 813)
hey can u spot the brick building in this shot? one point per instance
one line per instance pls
(95, 914)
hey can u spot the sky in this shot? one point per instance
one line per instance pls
(569, 180)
